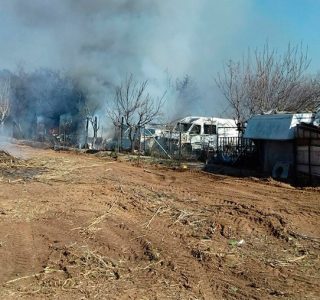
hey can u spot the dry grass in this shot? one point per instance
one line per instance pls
(69, 267)
(92, 227)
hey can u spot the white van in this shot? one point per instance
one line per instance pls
(200, 132)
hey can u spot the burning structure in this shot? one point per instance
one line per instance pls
(45, 105)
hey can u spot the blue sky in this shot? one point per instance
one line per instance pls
(102, 40)
(283, 21)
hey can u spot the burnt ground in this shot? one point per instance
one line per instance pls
(82, 227)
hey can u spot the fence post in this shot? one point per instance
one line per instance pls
(180, 145)
(144, 140)
(121, 134)
(170, 142)
(309, 160)
(139, 144)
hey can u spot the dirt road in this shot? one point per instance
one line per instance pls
(83, 227)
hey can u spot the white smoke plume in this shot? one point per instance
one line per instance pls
(100, 42)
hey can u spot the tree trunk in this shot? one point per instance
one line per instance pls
(131, 138)
(2, 128)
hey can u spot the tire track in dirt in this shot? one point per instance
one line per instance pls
(192, 277)
(251, 217)
(168, 235)
(173, 253)
(20, 250)
(245, 217)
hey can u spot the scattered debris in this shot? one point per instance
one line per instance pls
(235, 243)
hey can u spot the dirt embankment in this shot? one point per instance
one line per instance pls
(80, 227)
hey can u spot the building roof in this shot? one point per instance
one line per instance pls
(280, 126)
(209, 120)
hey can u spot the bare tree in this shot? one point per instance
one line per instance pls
(184, 96)
(267, 81)
(4, 100)
(89, 111)
(135, 105)
(187, 96)
(233, 85)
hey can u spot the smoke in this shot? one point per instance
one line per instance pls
(100, 42)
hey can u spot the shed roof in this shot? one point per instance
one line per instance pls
(275, 126)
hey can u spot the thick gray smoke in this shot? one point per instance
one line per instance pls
(100, 41)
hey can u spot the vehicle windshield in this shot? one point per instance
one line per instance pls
(149, 131)
(184, 127)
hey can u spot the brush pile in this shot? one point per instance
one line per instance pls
(13, 169)
(6, 158)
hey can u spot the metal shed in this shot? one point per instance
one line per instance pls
(275, 139)
(307, 154)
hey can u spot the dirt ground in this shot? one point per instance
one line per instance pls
(79, 226)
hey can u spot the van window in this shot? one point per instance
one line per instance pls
(196, 129)
(184, 127)
(210, 129)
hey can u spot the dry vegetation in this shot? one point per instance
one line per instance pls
(76, 226)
